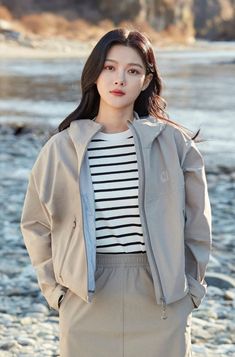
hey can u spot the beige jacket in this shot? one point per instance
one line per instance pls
(58, 218)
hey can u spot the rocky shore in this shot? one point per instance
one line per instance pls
(18, 45)
(26, 47)
(29, 328)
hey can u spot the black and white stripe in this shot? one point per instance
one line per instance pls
(114, 171)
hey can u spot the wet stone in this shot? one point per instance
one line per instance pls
(229, 295)
(25, 341)
(7, 345)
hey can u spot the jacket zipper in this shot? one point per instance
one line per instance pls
(89, 295)
(163, 300)
(66, 249)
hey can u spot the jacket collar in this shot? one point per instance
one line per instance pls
(81, 131)
(148, 128)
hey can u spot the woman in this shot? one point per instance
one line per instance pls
(116, 219)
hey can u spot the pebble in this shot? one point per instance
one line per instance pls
(26, 321)
(229, 295)
(219, 280)
(214, 291)
(29, 328)
(25, 341)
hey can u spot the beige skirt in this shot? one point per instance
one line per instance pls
(124, 319)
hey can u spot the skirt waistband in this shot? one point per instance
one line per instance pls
(126, 259)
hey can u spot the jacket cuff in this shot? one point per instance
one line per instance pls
(53, 298)
(197, 290)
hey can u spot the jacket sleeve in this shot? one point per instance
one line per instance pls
(36, 230)
(198, 238)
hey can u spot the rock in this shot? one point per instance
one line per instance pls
(199, 349)
(231, 327)
(229, 295)
(7, 344)
(5, 25)
(198, 322)
(214, 263)
(202, 334)
(23, 341)
(214, 291)
(224, 340)
(222, 313)
(7, 29)
(214, 19)
(6, 320)
(225, 350)
(39, 308)
(26, 321)
(211, 314)
(219, 280)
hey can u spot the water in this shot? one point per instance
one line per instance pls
(198, 87)
(200, 91)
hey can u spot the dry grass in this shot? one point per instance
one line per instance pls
(85, 31)
(48, 25)
(5, 14)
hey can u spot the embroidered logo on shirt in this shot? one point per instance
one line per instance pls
(164, 176)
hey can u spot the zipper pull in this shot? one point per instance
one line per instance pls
(164, 314)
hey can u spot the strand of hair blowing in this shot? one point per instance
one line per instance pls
(149, 102)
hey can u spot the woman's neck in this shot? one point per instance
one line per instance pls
(110, 129)
(114, 122)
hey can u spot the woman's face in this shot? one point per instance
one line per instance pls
(124, 71)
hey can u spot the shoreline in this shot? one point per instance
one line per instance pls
(61, 48)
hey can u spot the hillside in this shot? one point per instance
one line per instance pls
(167, 21)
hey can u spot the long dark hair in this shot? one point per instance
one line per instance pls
(149, 101)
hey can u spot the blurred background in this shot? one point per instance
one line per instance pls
(176, 20)
(43, 47)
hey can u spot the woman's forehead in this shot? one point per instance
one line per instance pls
(124, 54)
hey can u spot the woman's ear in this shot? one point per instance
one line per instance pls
(147, 80)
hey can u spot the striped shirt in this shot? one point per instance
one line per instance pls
(114, 172)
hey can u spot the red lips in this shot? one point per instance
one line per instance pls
(117, 92)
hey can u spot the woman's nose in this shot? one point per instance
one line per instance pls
(121, 81)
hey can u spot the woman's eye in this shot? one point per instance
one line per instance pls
(134, 71)
(108, 68)
(111, 68)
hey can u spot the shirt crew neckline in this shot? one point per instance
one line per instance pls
(122, 135)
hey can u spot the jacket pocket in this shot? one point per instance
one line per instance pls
(67, 248)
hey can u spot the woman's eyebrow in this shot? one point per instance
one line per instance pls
(129, 64)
